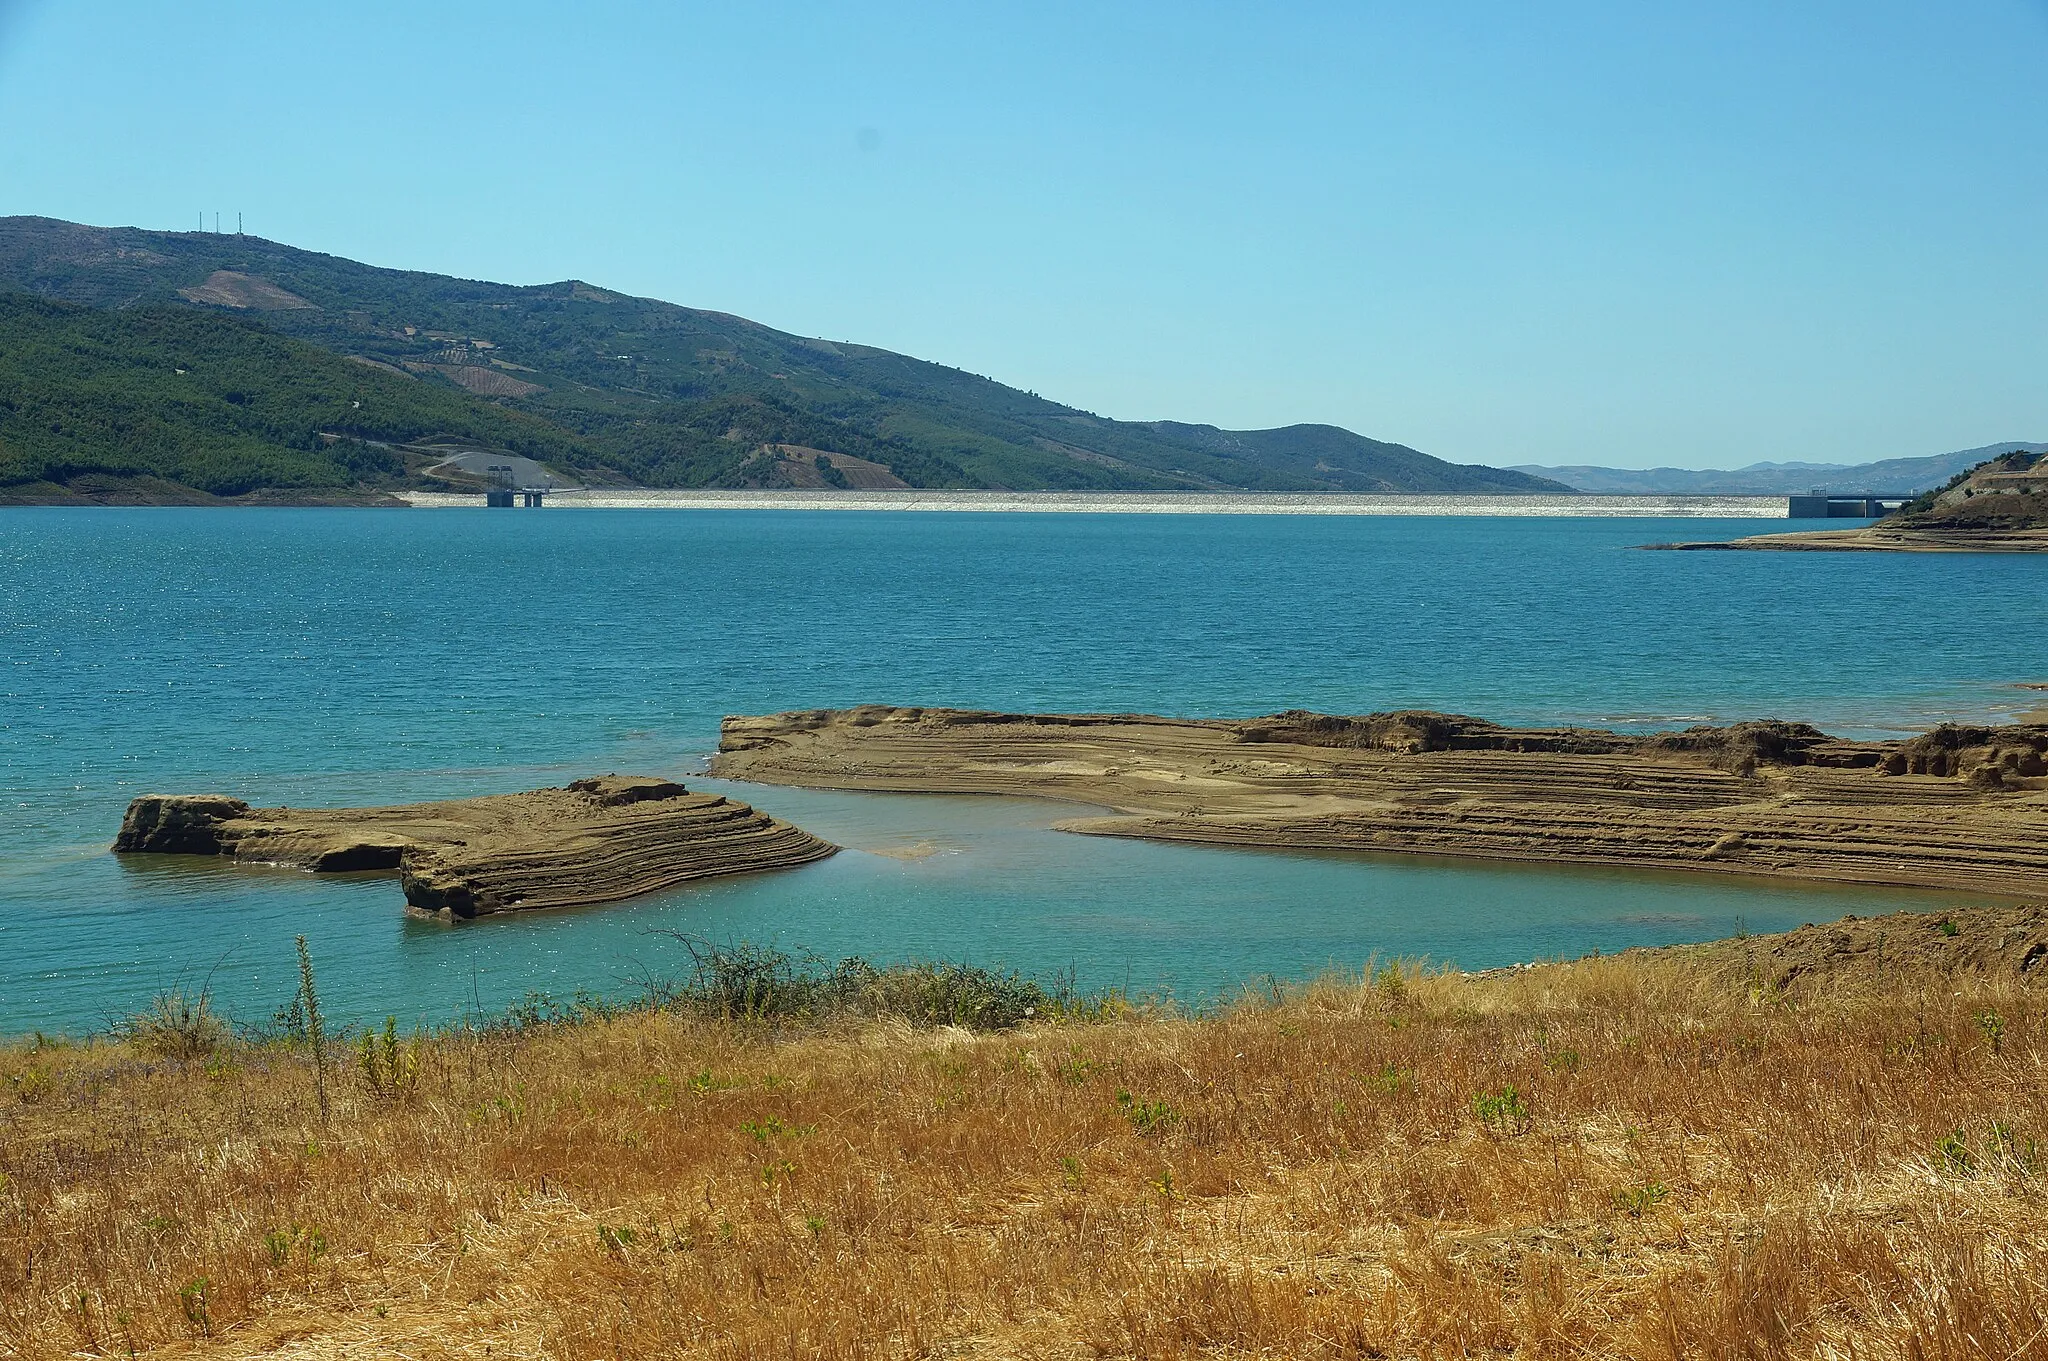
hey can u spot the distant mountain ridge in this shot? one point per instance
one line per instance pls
(636, 390)
(1887, 477)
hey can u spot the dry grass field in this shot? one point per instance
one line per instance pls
(1646, 1156)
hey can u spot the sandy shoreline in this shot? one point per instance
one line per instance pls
(1957, 809)
(1879, 539)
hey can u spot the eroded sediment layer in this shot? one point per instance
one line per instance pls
(1954, 808)
(596, 841)
(1881, 539)
(2008, 941)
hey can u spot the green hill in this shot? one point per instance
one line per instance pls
(636, 390)
(128, 401)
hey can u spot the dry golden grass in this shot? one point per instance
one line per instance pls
(1688, 1168)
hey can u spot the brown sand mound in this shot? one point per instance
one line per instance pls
(596, 841)
(1881, 539)
(2008, 941)
(1956, 808)
(243, 292)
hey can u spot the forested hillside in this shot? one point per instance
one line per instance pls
(219, 405)
(647, 391)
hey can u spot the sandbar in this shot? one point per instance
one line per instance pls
(1956, 808)
(1879, 539)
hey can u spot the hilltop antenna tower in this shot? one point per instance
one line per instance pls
(238, 224)
(216, 224)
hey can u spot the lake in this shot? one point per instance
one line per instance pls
(318, 657)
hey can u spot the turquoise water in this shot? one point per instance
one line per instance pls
(317, 657)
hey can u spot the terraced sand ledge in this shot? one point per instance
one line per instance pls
(596, 841)
(1957, 808)
(1879, 538)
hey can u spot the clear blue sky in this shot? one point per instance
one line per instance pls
(1625, 233)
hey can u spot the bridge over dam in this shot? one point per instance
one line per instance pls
(1835, 505)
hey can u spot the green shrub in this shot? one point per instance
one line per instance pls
(389, 1069)
(1505, 1111)
(177, 1025)
(757, 982)
(1639, 1200)
(1147, 1117)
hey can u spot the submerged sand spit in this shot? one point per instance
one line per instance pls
(1880, 539)
(596, 841)
(1957, 808)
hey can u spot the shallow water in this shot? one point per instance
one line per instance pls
(317, 657)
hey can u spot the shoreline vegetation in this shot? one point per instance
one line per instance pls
(1956, 808)
(1827, 1141)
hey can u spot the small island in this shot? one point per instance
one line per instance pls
(1955, 808)
(1999, 506)
(596, 841)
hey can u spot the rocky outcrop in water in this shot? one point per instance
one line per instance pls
(177, 824)
(1954, 808)
(596, 841)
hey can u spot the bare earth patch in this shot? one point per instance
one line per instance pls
(244, 292)
(860, 474)
(1993, 942)
(486, 382)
